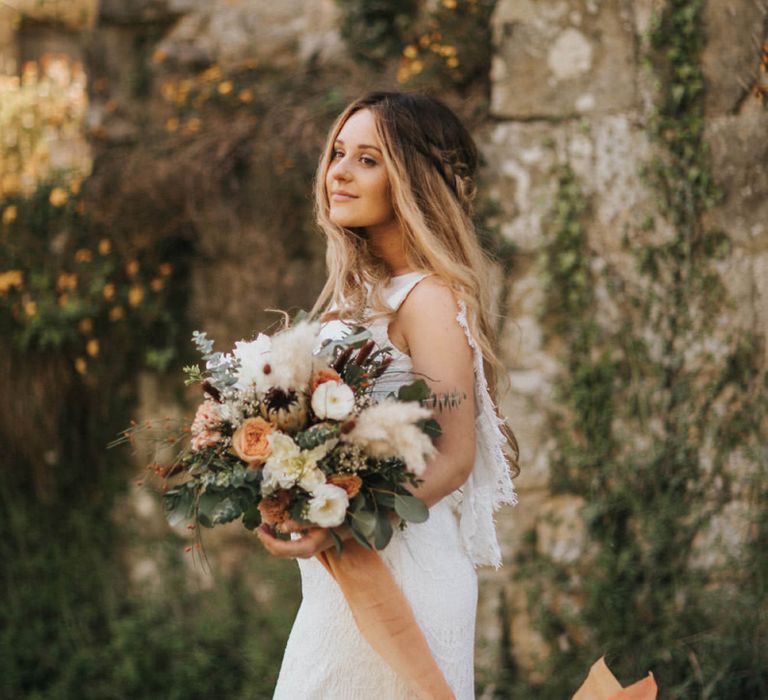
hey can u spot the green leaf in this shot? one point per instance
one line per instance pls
(382, 534)
(252, 518)
(431, 427)
(336, 541)
(360, 538)
(415, 391)
(411, 508)
(178, 506)
(365, 521)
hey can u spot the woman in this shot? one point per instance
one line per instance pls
(393, 194)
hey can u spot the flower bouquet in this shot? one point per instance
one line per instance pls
(288, 429)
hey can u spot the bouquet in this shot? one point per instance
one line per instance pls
(288, 429)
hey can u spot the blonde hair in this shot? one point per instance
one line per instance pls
(431, 160)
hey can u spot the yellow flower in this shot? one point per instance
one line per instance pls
(85, 325)
(58, 197)
(417, 67)
(66, 281)
(245, 95)
(212, 73)
(92, 347)
(63, 299)
(403, 74)
(83, 255)
(74, 186)
(9, 214)
(116, 313)
(30, 308)
(193, 125)
(104, 246)
(11, 278)
(452, 62)
(135, 295)
(156, 284)
(425, 40)
(225, 87)
(165, 269)
(449, 4)
(171, 124)
(108, 291)
(410, 51)
(132, 267)
(159, 55)
(81, 365)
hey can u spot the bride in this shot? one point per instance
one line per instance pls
(394, 191)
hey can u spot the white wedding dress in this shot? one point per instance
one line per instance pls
(326, 657)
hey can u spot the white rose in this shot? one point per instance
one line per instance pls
(333, 400)
(328, 506)
(253, 356)
(311, 479)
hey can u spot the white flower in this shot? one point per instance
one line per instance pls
(293, 362)
(389, 429)
(334, 400)
(328, 506)
(254, 356)
(289, 465)
(311, 479)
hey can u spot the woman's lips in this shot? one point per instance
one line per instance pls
(342, 197)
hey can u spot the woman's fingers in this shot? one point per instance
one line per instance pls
(291, 525)
(305, 547)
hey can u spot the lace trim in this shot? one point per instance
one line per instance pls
(490, 484)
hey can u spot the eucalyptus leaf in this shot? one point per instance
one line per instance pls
(336, 541)
(411, 508)
(382, 533)
(431, 427)
(365, 521)
(415, 391)
(360, 538)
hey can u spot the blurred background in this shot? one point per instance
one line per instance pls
(156, 160)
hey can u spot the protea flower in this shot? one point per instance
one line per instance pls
(285, 409)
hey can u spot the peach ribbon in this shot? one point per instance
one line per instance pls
(385, 617)
(601, 684)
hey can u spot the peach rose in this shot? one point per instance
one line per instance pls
(322, 376)
(274, 508)
(351, 483)
(250, 441)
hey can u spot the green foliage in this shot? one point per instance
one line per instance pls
(66, 285)
(656, 405)
(376, 30)
(73, 626)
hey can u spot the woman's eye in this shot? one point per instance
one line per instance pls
(368, 160)
(336, 154)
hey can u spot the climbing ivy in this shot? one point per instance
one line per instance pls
(660, 426)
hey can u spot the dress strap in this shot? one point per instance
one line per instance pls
(400, 287)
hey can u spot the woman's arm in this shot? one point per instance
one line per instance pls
(440, 353)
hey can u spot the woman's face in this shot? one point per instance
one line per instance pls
(357, 182)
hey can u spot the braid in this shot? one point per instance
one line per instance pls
(456, 174)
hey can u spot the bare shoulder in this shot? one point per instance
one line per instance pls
(430, 297)
(428, 318)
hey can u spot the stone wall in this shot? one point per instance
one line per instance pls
(569, 86)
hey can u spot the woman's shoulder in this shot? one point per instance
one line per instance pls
(431, 295)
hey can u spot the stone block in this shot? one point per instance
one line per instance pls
(557, 58)
(731, 57)
(739, 151)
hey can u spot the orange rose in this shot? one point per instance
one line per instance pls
(322, 376)
(250, 441)
(274, 508)
(351, 483)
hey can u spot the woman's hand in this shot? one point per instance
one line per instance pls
(314, 540)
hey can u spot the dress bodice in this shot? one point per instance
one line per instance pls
(489, 486)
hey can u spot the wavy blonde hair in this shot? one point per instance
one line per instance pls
(431, 160)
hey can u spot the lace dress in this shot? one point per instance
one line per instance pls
(326, 657)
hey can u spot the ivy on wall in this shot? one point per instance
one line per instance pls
(660, 428)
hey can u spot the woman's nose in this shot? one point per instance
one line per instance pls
(339, 170)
